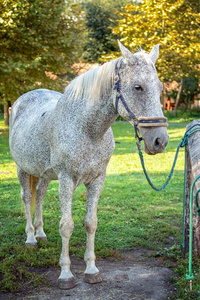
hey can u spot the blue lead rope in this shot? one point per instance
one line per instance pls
(182, 144)
(145, 171)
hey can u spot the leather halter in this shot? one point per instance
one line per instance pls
(142, 122)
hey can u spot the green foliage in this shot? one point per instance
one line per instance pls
(100, 17)
(37, 38)
(190, 89)
(172, 24)
(183, 115)
(100, 39)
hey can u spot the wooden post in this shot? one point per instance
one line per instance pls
(192, 171)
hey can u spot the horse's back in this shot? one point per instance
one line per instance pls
(33, 104)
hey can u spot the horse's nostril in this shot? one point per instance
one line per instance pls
(157, 143)
(165, 144)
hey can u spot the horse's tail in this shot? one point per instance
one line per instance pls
(33, 180)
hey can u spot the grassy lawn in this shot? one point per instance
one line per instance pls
(130, 214)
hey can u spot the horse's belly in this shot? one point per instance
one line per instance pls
(87, 172)
(34, 162)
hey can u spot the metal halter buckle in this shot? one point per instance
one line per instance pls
(116, 78)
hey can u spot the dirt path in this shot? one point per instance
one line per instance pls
(135, 277)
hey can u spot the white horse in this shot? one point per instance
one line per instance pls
(67, 137)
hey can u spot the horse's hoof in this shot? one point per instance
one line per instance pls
(93, 278)
(31, 245)
(67, 284)
(42, 238)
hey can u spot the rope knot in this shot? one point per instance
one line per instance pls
(184, 141)
(189, 276)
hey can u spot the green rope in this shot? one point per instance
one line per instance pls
(184, 196)
(183, 143)
(189, 275)
(187, 134)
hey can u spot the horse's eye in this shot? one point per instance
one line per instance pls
(138, 87)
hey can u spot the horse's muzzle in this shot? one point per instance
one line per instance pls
(155, 139)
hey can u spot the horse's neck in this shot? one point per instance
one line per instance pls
(99, 117)
(88, 101)
(92, 118)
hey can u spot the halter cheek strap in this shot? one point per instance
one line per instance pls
(117, 87)
(142, 122)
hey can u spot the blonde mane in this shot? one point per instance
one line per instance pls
(93, 84)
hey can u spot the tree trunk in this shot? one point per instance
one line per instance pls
(178, 97)
(6, 114)
(162, 101)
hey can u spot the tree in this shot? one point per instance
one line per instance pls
(37, 38)
(191, 88)
(100, 17)
(174, 25)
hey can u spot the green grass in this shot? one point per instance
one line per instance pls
(183, 116)
(130, 214)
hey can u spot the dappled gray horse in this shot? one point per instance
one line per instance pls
(67, 137)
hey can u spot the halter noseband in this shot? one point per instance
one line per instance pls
(142, 122)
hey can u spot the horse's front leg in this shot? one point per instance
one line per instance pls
(66, 189)
(93, 192)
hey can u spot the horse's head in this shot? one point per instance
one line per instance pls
(140, 87)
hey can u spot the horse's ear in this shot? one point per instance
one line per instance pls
(154, 53)
(127, 55)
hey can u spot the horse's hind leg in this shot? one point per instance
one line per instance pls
(41, 189)
(26, 194)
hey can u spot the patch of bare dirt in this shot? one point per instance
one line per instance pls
(137, 276)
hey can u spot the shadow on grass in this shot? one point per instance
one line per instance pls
(128, 210)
